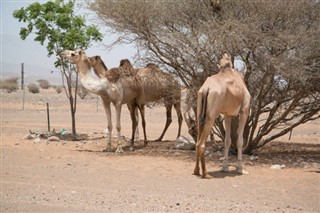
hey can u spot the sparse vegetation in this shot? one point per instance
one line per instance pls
(10, 84)
(44, 84)
(33, 88)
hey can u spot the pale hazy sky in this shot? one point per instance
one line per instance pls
(15, 51)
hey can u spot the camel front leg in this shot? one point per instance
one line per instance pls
(107, 109)
(136, 136)
(242, 123)
(118, 126)
(227, 143)
(143, 121)
(134, 124)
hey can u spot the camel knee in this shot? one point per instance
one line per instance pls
(109, 128)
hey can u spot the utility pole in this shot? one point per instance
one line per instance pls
(22, 76)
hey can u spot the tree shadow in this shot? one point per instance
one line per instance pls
(220, 174)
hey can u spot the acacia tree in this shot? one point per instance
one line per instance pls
(56, 26)
(277, 41)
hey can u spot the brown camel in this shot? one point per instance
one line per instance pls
(224, 93)
(124, 91)
(156, 85)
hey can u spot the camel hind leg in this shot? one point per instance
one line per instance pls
(200, 148)
(132, 109)
(143, 121)
(168, 106)
(177, 107)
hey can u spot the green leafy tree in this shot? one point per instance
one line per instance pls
(55, 25)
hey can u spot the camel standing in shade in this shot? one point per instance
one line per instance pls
(156, 85)
(224, 93)
(124, 91)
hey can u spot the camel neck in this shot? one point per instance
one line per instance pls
(93, 85)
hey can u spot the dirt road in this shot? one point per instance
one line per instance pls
(77, 176)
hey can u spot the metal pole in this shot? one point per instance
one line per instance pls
(22, 85)
(48, 117)
(23, 98)
(22, 76)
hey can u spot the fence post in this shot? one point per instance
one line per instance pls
(48, 117)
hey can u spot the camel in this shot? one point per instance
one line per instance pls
(224, 93)
(156, 85)
(124, 91)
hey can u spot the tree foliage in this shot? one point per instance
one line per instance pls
(277, 42)
(55, 25)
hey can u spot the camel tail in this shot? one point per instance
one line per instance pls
(204, 108)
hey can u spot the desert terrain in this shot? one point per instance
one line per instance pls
(77, 176)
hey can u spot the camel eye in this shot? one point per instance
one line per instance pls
(72, 54)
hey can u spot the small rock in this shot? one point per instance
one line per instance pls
(252, 157)
(37, 140)
(184, 143)
(53, 138)
(28, 137)
(277, 166)
(65, 133)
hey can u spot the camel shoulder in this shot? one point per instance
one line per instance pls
(113, 74)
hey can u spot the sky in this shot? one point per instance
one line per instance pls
(37, 64)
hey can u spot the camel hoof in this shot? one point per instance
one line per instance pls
(206, 176)
(131, 148)
(243, 172)
(119, 150)
(158, 140)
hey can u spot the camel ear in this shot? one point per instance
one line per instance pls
(97, 57)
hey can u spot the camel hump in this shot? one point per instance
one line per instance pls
(113, 74)
(152, 66)
(126, 68)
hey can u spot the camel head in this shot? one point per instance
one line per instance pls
(74, 56)
(94, 60)
(225, 61)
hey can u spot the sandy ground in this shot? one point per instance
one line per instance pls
(77, 176)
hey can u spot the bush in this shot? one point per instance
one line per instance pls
(58, 89)
(33, 88)
(10, 84)
(44, 84)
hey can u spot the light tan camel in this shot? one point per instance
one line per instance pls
(124, 91)
(113, 75)
(156, 85)
(224, 93)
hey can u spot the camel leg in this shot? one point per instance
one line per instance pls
(200, 148)
(242, 123)
(177, 107)
(107, 109)
(169, 120)
(141, 108)
(136, 136)
(134, 124)
(118, 126)
(227, 143)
